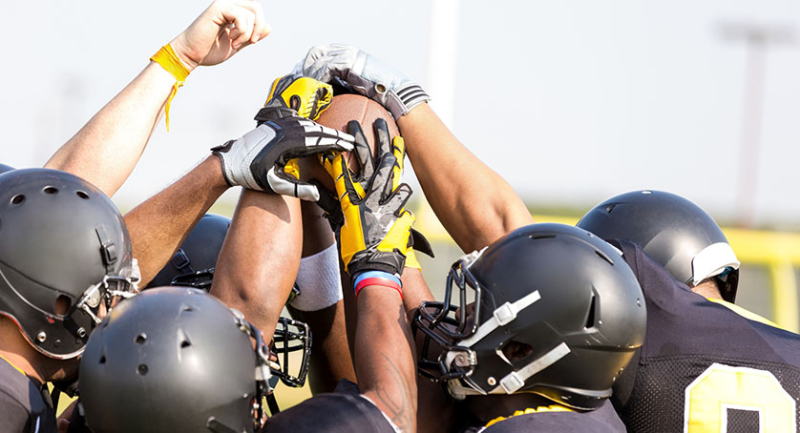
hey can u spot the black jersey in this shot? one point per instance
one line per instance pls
(704, 367)
(601, 420)
(344, 410)
(25, 405)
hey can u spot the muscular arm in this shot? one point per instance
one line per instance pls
(435, 412)
(159, 225)
(109, 146)
(258, 262)
(474, 203)
(384, 360)
(331, 361)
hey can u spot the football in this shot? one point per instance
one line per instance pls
(343, 109)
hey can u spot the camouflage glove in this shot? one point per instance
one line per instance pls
(260, 160)
(377, 228)
(294, 95)
(328, 201)
(363, 74)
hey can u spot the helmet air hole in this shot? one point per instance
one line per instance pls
(103, 359)
(62, 305)
(590, 316)
(83, 195)
(185, 344)
(50, 190)
(604, 257)
(18, 199)
(610, 207)
(142, 369)
(542, 236)
(188, 308)
(515, 350)
(141, 338)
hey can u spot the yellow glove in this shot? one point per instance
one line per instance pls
(376, 230)
(411, 260)
(306, 96)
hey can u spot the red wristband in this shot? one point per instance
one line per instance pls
(377, 281)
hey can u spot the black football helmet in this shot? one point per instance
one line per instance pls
(193, 264)
(548, 309)
(175, 359)
(65, 253)
(673, 231)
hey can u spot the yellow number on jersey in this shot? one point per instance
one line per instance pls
(722, 387)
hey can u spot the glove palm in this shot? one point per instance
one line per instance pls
(376, 230)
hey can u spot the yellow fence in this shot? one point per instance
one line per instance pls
(777, 252)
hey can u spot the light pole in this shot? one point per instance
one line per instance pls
(756, 37)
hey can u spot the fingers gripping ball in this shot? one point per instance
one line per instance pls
(363, 74)
(307, 96)
(343, 110)
(258, 160)
(376, 230)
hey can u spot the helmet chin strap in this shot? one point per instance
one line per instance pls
(514, 380)
(502, 316)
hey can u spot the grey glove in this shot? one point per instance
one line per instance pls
(258, 159)
(363, 74)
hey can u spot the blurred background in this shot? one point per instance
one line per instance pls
(572, 102)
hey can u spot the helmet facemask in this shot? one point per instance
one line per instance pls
(108, 292)
(291, 336)
(446, 324)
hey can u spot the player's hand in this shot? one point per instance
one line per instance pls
(259, 160)
(305, 95)
(377, 228)
(363, 74)
(366, 161)
(223, 29)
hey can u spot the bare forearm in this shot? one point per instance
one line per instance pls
(384, 361)
(474, 203)
(107, 148)
(258, 262)
(331, 361)
(415, 291)
(160, 225)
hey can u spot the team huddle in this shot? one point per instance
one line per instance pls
(168, 319)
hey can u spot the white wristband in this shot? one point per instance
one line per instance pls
(319, 281)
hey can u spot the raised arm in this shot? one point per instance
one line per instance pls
(109, 146)
(160, 224)
(474, 203)
(453, 179)
(373, 245)
(258, 262)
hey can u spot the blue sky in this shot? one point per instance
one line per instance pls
(571, 102)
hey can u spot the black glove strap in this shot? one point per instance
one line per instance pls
(374, 260)
(272, 113)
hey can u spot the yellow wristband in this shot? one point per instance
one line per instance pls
(170, 61)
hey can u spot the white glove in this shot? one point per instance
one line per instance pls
(258, 159)
(363, 74)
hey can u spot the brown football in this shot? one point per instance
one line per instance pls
(343, 109)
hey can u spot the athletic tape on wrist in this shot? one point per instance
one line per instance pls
(378, 278)
(319, 281)
(170, 61)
